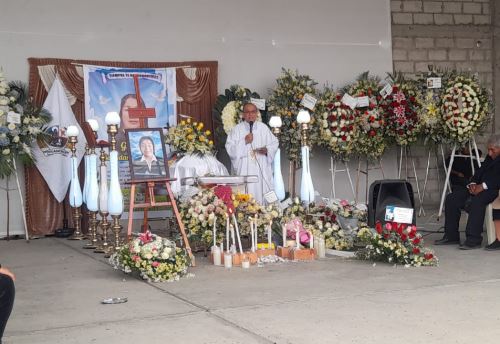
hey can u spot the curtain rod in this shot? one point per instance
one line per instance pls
(82, 64)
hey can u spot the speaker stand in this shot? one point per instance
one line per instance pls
(366, 172)
(405, 153)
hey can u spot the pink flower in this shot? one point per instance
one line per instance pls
(135, 258)
(344, 203)
(155, 264)
(146, 237)
(388, 226)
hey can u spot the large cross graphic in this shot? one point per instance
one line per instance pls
(141, 111)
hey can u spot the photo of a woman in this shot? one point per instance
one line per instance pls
(147, 154)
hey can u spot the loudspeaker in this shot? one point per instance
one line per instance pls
(394, 192)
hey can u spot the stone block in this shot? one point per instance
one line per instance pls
(423, 18)
(424, 42)
(402, 42)
(482, 19)
(472, 8)
(417, 55)
(445, 65)
(422, 66)
(399, 55)
(457, 54)
(452, 7)
(412, 6)
(402, 18)
(476, 55)
(445, 42)
(405, 67)
(463, 19)
(465, 43)
(433, 6)
(437, 54)
(396, 6)
(486, 8)
(443, 19)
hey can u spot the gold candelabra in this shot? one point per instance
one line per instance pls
(77, 215)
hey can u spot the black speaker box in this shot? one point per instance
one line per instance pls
(394, 192)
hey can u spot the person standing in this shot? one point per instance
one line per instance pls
(482, 190)
(251, 147)
(7, 294)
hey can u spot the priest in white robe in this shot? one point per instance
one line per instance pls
(251, 147)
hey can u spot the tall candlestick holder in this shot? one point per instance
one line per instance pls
(92, 192)
(75, 194)
(279, 186)
(115, 196)
(105, 246)
(306, 185)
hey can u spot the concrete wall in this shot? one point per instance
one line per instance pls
(454, 34)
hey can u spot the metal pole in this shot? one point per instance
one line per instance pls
(421, 210)
(446, 182)
(349, 176)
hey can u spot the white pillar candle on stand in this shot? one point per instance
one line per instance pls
(256, 230)
(93, 187)
(297, 238)
(216, 252)
(228, 260)
(233, 241)
(252, 235)
(214, 232)
(311, 240)
(227, 232)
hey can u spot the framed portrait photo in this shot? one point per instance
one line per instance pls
(147, 155)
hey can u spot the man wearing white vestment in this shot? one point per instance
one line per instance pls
(251, 147)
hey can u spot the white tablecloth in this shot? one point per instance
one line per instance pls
(195, 166)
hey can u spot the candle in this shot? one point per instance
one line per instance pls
(297, 238)
(216, 255)
(283, 229)
(214, 231)
(252, 235)
(269, 234)
(256, 231)
(311, 240)
(228, 260)
(238, 234)
(227, 232)
(245, 264)
(233, 242)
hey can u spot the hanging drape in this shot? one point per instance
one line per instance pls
(196, 90)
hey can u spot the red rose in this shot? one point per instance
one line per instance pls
(372, 106)
(351, 128)
(412, 99)
(330, 106)
(404, 237)
(416, 250)
(339, 97)
(344, 138)
(372, 133)
(416, 241)
(378, 227)
(428, 256)
(343, 116)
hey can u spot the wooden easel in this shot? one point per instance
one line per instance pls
(151, 202)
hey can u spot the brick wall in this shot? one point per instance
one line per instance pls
(448, 34)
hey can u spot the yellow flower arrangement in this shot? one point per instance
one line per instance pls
(188, 137)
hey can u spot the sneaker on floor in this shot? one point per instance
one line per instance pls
(469, 246)
(494, 246)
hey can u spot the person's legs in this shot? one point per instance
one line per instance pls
(477, 211)
(496, 220)
(455, 201)
(7, 293)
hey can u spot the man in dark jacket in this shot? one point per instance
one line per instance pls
(7, 292)
(482, 190)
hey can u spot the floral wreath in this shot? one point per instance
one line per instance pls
(336, 125)
(369, 137)
(285, 102)
(402, 109)
(17, 136)
(465, 108)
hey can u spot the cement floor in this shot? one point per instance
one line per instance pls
(60, 286)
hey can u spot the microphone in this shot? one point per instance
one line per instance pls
(251, 126)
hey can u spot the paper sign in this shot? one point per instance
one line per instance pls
(386, 90)
(13, 117)
(398, 214)
(270, 197)
(362, 101)
(433, 82)
(286, 203)
(308, 101)
(350, 101)
(259, 103)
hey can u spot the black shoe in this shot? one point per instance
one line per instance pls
(494, 246)
(469, 246)
(446, 241)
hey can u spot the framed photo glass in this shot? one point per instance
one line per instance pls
(147, 155)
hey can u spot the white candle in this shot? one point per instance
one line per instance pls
(269, 241)
(214, 231)
(238, 234)
(252, 235)
(228, 260)
(297, 238)
(311, 240)
(227, 232)
(216, 255)
(245, 264)
(256, 231)
(283, 228)
(233, 242)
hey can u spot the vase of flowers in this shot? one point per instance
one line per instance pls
(188, 137)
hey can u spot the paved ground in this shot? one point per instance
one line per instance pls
(59, 288)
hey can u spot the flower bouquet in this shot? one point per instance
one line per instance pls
(285, 102)
(189, 138)
(401, 109)
(247, 207)
(155, 258)
(465, 109)
(369, 134)
(395, 243)
(336, 125)
(21, 123)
